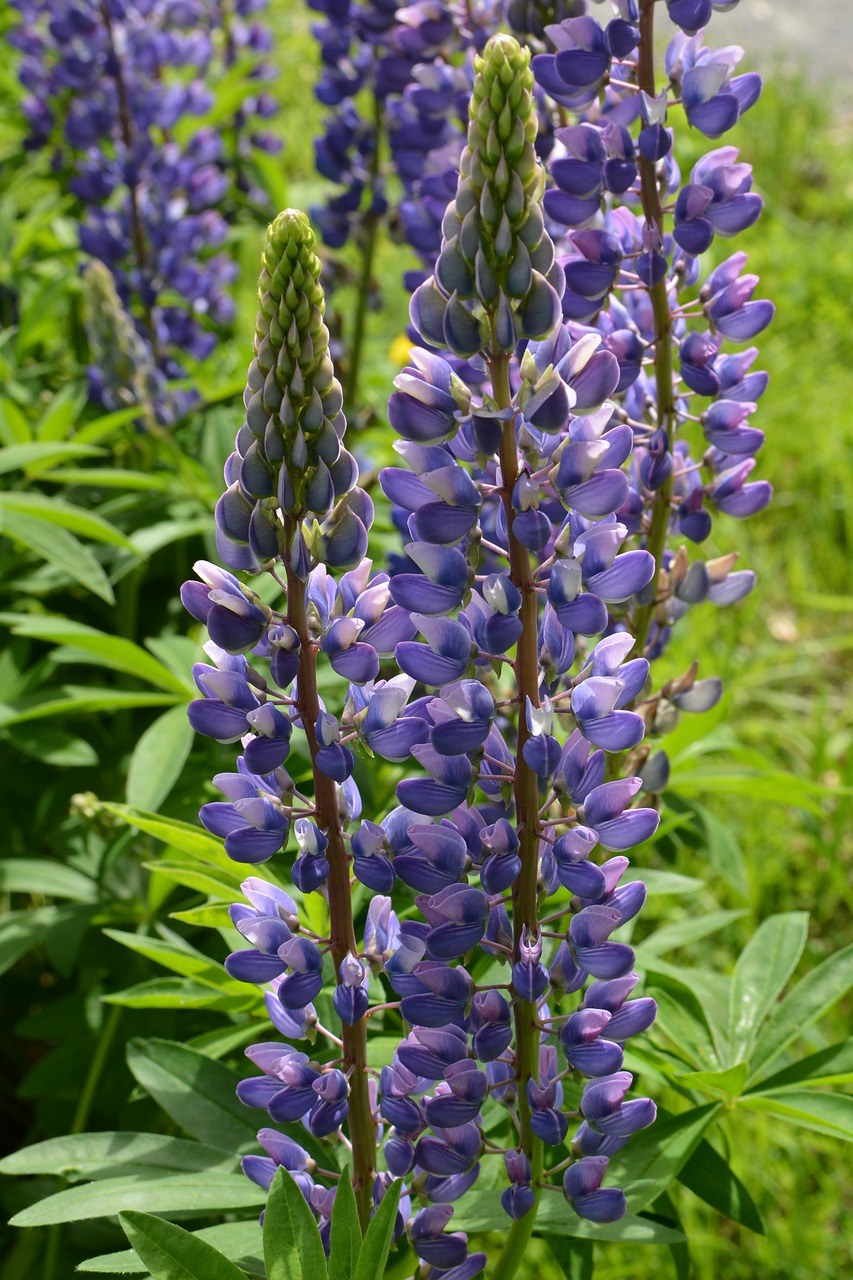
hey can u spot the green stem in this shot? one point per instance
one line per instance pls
(126, 124)
(362, 1126)
(96, 1067)
(80, 1120)
(370, 229)
(663, 368)
(524, 893)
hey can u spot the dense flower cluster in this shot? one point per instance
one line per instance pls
(503, 661)
(107, 83)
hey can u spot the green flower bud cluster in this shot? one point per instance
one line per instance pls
(289, 463)
(126, 372)
(496, 280)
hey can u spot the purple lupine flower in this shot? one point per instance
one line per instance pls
(105, 87)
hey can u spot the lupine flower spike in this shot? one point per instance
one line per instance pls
(503, 664)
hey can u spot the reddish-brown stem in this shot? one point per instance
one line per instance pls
(663, 367)
(362, 1127)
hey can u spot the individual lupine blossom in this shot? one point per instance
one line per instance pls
(106, 85)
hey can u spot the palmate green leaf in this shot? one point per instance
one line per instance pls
(683, 1022)
(114, 1153)
(59, 548)
(379, 1236)
(186, 1194)
(802, 1008)
(828, 1113)
(46, 878)
(709, 1177)
(183, 993)
(239, 1241)
(171, 1253)
(158, 758)
(830, 1066)
(762, 970)
(654, 1157)
(345, 1235)
(293, 1249)
(110, 651)
(75, 519)
(197, 1092)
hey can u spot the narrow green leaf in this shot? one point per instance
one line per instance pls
(187, 1194)
(576, 1260)
(801, 1008)
(183, 993)
(198, 878)
(212, 916)
(59, 548)
(62, 412)
(379, 1236)
(345, 1239)
(682, 932)
(830, 1066)
(171, 1253)
(829, 1113)
(79, 700)
(293, 1249)
(20, 931)
(50, 879)
(113, 478)
(50, 744)
(664, 883)
(114, 652)
(481, 1211)
(75, 519)
(178, 835)
(158, 758)
(113, 1153)
(239, 1241)
(180, 959)
(762, 970)
(726, 1084)
(196, 1091)
(709, 1177)
(42, 453)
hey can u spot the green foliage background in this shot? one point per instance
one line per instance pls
(764, 782)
